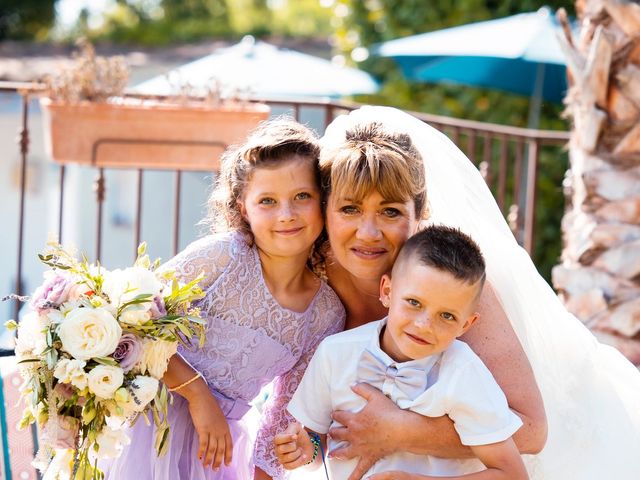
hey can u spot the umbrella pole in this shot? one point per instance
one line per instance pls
(535, 101)
(535, 107)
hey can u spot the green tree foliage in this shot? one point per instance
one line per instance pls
(26, 19)
(362, 23)
(162, 22)
(174, 21)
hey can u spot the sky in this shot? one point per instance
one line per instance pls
(68, 10)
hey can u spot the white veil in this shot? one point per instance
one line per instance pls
(591, 392)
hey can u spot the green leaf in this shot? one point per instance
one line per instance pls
(106, 361)
(88, 414)
(11, 325)
(29, 360)
(142, 249)
(161, 443)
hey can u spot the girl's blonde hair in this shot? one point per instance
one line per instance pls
(373, 158)
(272, 142)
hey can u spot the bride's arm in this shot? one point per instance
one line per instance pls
(495, 342)
(382, 428)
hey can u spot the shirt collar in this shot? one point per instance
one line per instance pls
(425, 363)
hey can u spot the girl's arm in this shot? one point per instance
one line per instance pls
(382, 428)
(275, 417)
(214, 437)
(502, 460)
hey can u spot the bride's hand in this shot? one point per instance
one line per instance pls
(370, 433)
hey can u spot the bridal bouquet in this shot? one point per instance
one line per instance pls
(92, 351)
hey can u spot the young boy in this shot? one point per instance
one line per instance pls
(413, 356)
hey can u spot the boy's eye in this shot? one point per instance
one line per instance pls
(303, 196)
(267, 201)
(448, 316)
(349, 210)
(391, 212)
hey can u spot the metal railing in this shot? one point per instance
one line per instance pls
(507, 157)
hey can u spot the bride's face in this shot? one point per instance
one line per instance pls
(366, 235)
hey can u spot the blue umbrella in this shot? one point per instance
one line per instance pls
(519, 54)
(265, 70)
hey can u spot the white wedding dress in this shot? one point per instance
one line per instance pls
(591, 392)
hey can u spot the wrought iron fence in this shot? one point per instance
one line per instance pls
(507, 157)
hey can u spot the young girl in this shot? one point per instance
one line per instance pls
(266, 312)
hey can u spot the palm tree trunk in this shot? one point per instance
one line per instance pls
(599, 277)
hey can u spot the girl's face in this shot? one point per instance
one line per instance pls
(367, 235)
(282, 206)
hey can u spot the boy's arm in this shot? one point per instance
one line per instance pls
(502, 460)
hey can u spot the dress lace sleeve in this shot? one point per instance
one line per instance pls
(209, 256)
(275, 418)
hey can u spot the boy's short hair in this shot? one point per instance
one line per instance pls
(447, 249)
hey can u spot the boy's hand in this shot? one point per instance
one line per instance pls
(293, 447)
(214, 437)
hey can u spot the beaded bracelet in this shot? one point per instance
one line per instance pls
(182, 385)
(315, 440)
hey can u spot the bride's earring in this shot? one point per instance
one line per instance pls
(385, 302)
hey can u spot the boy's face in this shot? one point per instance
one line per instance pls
(428, 310)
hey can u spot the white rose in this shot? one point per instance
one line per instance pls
(156, 355)
(135, 315)
(104, 380)
(124, 285)
(71, 371)
(111, 442)
(55, 316)
(60, 466)
(32, 339)
(89, 332)
(142, 390)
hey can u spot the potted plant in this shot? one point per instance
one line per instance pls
(89, 120)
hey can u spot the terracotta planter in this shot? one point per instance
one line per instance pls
(157, 135)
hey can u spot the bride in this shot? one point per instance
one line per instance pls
(590, 392)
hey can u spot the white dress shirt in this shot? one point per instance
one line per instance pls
(458, 385)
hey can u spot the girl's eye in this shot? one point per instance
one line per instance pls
(413, 302)
(448, 316)
(267, 201)
(303, 196)
(391, 212)
(349, 210)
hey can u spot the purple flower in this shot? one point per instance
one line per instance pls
(51, 293)
(128, 352)
(157, 309)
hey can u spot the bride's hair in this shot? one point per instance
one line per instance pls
(370, 157)
(272, 142)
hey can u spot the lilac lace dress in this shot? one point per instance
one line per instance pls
(251, 340)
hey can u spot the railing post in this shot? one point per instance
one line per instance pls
(328, 116)
(61, 204)
(176, 212)
(138, 214)
(532, 180)
(23, 140)
(100, 190)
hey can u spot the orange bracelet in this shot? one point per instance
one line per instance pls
(182, 385)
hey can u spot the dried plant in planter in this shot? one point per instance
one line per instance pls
(113, 129)
(91, 78)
